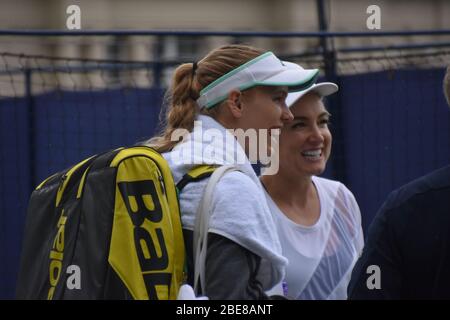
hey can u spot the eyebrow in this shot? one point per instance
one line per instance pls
(323, 114)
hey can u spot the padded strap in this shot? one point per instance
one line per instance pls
(196, 174)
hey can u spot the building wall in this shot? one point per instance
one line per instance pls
(255, 15)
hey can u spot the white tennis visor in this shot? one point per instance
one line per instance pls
(323, 89)
(264, 70)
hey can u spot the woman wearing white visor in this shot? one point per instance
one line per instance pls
(233, 87)
(318, 220)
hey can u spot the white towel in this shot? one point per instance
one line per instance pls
(240, 211)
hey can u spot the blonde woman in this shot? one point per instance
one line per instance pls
(233, 87)
(318, 220)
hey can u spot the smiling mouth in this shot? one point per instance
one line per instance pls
(312, 155)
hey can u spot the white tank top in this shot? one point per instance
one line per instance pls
(321, 257)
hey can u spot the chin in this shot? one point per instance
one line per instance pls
(314, 170)
(318, 172)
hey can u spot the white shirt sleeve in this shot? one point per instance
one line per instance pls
(353, 209)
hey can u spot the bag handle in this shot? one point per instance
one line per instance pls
(202, 226)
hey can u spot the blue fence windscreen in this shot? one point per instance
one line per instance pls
(394, 126)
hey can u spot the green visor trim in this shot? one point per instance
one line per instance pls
(264, 70)
(299, 86)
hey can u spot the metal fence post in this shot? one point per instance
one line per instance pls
(31, 129)
(334, 101)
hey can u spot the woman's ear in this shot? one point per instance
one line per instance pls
(234, 103)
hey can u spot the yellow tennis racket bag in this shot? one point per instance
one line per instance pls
(106, 228)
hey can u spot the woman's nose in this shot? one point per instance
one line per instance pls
(316, 135)
(286, 114)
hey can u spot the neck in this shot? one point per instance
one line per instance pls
(289, 188)
(295, 196)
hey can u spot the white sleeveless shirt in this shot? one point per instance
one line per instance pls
(321, 257)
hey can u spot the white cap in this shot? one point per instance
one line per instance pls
(264, 70)
(323, 89)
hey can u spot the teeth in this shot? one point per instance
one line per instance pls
(312, 153)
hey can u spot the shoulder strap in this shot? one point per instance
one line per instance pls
(202, 225)
(196, 174)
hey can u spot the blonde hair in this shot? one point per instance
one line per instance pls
(186, 85)
(446, 85)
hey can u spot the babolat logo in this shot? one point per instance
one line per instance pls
(56, 255)
(143, 206)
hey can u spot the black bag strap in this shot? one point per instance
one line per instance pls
(196, 174)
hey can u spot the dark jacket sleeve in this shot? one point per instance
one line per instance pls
(230, 271)
(377, 274)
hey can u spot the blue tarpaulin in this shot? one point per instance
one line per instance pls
(394, 127)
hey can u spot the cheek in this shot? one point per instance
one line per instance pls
(328, 140)
(263, 114)
(291, 143)
(272, 110)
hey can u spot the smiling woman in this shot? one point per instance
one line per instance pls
(233, 88)
(307, 134)
(318, 220)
